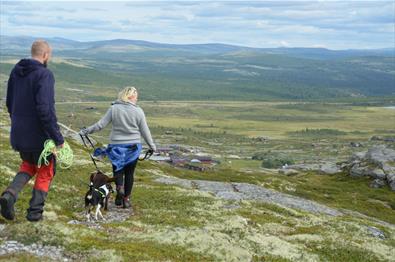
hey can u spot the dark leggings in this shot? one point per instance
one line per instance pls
(124, 178)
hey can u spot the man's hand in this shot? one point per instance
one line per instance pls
(55, 150)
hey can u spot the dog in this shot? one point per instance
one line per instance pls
(98, 194)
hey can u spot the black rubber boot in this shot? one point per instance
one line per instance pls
(126, 202)
(17, 184)
(36, 208)
(119, 196)
(10, 195)
(7, 201)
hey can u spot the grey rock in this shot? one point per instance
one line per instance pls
(255, 192)
(380, 154)
(391, 178)
(358, 156)
(288, 172)
(304, 167)
(323, 168)
(391, 181)
(375, 232)
(378, 162)
(230, 195)
(213, 187)
(388, 169)
(244, 191)
(377, 183)
(329, 168)
(54, 253)
(175, 181)
(357, 171)
(376, 173)
(376, 138)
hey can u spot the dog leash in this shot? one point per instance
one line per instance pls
(93, 147)
(147, 155)
(89, 185)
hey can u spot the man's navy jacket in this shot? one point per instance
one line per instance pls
(31, 105)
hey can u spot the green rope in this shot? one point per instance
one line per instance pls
(64, 155)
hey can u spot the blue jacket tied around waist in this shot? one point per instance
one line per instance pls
(120, 154)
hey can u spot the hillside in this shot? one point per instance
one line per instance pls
(238, 211)
(214, 71)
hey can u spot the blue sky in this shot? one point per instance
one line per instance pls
(329, 24)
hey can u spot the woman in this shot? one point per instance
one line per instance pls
(128, 125)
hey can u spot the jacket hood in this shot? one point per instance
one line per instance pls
(120, 102)
(26, 66)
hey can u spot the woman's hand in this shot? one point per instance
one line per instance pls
(84, 131)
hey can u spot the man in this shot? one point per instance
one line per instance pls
(31, 105)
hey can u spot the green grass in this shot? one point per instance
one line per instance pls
(159, 208)
(22, 258)
(342, 252)
(137, 251)
(180, 209)
(341, 191)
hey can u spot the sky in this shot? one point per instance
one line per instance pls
(328, 24)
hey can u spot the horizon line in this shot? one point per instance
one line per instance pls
(207, 43)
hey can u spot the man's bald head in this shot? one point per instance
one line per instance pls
(41, 51)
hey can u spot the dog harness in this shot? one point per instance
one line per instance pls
(105, 189)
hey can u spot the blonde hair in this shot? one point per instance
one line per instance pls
(126, 93)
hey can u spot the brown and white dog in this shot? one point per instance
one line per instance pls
(98, 194)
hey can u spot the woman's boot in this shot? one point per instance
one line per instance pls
(120, 195)
(126, 202)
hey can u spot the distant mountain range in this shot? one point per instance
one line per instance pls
(24, 42)
(218, 71)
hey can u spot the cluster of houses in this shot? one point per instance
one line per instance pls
(184, 157)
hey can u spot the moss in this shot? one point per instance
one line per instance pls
(260, 218)
(269, 258)
(316, 229)
(29, 233)
(23, 257)
(341, 252)
(137, 251)
(164, 205)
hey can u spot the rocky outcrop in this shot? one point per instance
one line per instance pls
(38, 250)
(322, 168)
(244, 191)
(378, 163)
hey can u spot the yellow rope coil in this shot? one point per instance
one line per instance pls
(64, 155)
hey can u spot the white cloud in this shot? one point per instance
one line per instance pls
(334, 24)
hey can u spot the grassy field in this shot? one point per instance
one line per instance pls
(250, 119)
(176, 224)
